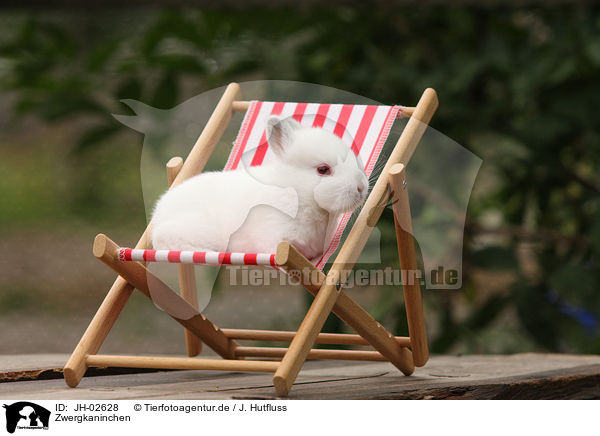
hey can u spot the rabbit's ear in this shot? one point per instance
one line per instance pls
(280, 133)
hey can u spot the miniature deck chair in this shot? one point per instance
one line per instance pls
(403, 352)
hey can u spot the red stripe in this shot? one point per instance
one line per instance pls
(299, 112)
(272, 260)
(174, 256)
(321, 115)
(127, 254)
(277, 108)
(199, 257)
(150, 255)
(250, 259)
(236, 161)
(342, 121)
(225, 259)
(263, 145)
(363, 128)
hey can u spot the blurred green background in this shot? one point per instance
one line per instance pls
(518, 86)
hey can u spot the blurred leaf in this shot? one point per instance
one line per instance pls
(537, 315)
(101, 55)
(130, 89)
(494, 258)
(95, 135)
(576, 284)
(75, 105)
(166, 92)
(179, 63)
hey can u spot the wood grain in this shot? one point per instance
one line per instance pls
(186, 273)
(312, 354)
(516, 376)
(408, 263)
(181, 363)
(322, 338)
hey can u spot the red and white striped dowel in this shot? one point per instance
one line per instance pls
(196, 257)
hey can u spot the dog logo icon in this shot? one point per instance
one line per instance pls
(26, 415)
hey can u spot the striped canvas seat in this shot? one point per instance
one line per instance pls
(364, 128)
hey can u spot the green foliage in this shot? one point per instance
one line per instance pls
(517, 85)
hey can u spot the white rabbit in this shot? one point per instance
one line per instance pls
(314, 178)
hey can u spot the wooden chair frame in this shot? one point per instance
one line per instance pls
(327, 289)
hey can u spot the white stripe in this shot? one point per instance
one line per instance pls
(288, 110)
(162, 255)
(263, 259)
(187, 257)
(385, 130)
(332, 116)
(237, 258)
(212, 257)
(137, 255)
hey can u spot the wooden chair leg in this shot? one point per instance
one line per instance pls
(314, 280)
(408, 262)
(188, 290)
(187, 277)
(98, 329)
(305, 338)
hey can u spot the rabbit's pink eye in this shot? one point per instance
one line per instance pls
(324, 170)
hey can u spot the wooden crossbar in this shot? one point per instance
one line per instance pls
(312, 354)
(242, 106)
(181, 363)
(322, 338)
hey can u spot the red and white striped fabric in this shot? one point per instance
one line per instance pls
(364, 128)
(196, 257)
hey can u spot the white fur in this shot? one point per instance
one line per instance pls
(252, 209)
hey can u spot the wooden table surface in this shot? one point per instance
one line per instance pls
(519, 376)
